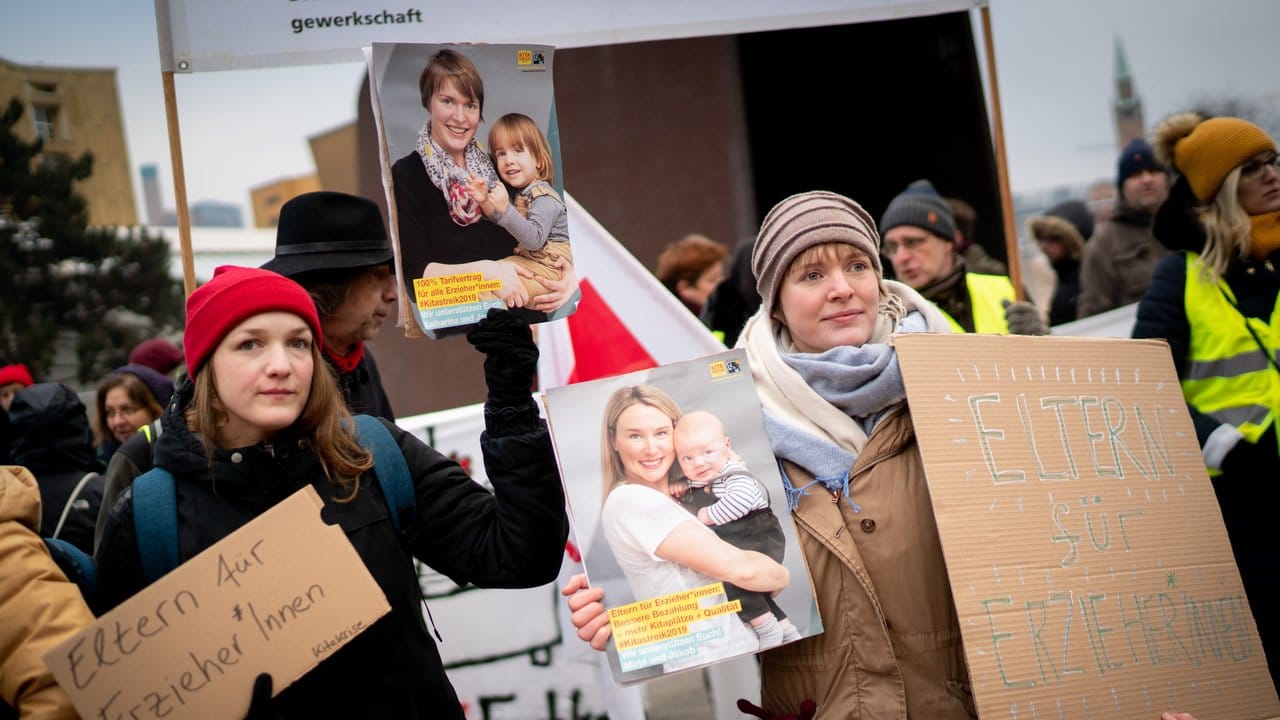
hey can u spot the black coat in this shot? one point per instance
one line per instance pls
(1244, 490)
(51, 437)
(428, 234)
(362, 388)
(511, 537)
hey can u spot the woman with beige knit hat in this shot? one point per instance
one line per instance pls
(1216, 301)
(834, 399)
(835, 407)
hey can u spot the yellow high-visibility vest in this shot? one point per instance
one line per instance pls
(986, 296)
(1229, 375)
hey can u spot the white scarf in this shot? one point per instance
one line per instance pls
(797, 413)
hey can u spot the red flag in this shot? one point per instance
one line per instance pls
(626, 320)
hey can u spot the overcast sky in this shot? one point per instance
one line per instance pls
(1055, 62)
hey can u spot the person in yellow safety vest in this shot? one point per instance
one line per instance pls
(919, 234)
(1216, 300)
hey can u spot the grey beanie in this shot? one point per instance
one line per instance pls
(802, 221)
(920, 206)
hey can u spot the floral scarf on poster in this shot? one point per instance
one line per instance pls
(451, 179)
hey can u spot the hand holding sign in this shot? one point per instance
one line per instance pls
(277, 596)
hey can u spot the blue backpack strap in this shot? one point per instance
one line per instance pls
(389, 467)
(155, 521)
(76, 565)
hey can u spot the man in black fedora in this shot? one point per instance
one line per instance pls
(335, 245)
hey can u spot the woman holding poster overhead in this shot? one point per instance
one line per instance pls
(441, 227)
(1216, 301)
(261, 418)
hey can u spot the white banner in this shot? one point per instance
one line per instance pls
(199, 35)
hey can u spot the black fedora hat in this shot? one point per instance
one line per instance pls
(328, 231)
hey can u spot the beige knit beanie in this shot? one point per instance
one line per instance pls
(802, 221)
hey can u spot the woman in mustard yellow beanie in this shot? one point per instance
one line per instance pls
(1215, 301)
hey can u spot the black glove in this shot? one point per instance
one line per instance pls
(1023, 318)
(808, 709)
(1251, 460)
(511, 358)
(260, 705)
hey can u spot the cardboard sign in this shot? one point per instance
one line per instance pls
(279, 595)
(1090, 567)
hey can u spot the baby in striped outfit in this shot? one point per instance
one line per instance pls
(735, 505)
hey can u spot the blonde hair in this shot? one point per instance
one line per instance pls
(1227, 229)
(522, 132)
(325, 422)
(624, 397)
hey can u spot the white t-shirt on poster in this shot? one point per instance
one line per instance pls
(636, 519)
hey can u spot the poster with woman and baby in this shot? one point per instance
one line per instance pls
(682, 517)
(475, 190)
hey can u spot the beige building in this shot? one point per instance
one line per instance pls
(268, 197)
(74, 110)
(334, 153)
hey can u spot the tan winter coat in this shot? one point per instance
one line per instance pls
(39, 606)
(891, 642)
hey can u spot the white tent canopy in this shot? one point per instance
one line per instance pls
(197, 35)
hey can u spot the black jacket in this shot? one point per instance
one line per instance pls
(511, 537)
(51, 437)
(428, 234)
(362, 388)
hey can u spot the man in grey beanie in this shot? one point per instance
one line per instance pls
(919, 234)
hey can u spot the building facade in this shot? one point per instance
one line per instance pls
(77, 110)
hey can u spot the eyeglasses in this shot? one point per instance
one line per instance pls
(1254, 168)
(911, 244)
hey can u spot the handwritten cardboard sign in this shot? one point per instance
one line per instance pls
(1091, 570)
(279, 595)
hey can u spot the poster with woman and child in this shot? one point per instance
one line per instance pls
(471, 165)
(675, 496)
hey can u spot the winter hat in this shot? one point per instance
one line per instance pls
(802, 221)
(1136, 157)
(158, 354)
(1206, 151)
(16, 373)
(328, 231)
(159, 385)
(920, 206)
(234, 294)
(1070, 221)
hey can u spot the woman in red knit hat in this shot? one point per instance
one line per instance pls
(261, 417)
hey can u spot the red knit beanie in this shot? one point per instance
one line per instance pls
(233, 295)
(16, 373)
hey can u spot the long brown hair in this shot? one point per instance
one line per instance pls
(139, 394)
(325, 422)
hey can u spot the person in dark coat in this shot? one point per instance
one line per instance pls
(234, 454)
(52, 439)
(735, 299)
(1119, 259)
(1061, 233)
(1215, 301)
(335, 246)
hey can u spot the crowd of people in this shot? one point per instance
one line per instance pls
(257, 403)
